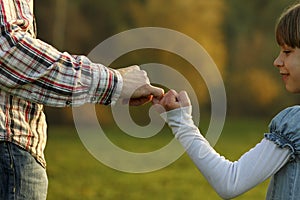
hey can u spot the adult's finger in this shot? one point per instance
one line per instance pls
(139, 101)
(130, 68)
(157, 92)
(155, 100)
(134, 67)
(125, 70)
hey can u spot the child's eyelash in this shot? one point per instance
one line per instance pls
(286, 51)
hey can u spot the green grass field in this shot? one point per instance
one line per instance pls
(75, 174)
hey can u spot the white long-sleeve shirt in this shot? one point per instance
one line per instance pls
(229, 179)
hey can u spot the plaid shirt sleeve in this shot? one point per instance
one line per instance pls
(36, 71)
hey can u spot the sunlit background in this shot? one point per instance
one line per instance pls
(238, 35)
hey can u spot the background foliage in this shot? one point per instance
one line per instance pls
(239, 36)
(77, 175)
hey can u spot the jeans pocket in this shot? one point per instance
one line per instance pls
(26, 179)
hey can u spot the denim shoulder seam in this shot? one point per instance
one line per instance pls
(283, 142)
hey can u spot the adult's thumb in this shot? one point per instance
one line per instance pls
(157, 92)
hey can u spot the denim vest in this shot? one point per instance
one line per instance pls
(285, 132)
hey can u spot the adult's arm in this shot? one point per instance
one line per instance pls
(36, 71)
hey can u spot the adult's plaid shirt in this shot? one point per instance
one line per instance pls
(33, 74)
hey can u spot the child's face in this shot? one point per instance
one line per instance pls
(288, 63)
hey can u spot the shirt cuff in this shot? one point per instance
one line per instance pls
(118, 89)
(106, 85)
(178, 116)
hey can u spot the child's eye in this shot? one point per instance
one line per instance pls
(285, 49)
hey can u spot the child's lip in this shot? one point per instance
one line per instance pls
(284, 73)
(284, 76)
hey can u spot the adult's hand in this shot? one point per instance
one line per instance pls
(137, 89)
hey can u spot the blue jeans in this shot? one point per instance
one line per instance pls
(21, 176)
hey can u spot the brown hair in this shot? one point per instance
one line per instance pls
(288, 27)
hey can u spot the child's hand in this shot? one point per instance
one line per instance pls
(172, 100)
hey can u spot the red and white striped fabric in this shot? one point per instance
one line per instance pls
(33, 74)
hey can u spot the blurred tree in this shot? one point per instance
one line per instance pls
(249, 29)
(76, 26)
(60, 15)
(200, 20)
(89, 22)
(239, 36)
